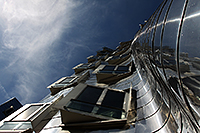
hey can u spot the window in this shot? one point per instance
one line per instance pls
(90, 94)
(114, 99)
(64, 83)
(93, 106)
(109, 68)
(111, 74)
(122, 68)
(26, 113)
(99, 101)
(27, 117)
(16, 126)
(81, 67)
(80, 105)
(68, 80)
(61, 84)
(114, 69)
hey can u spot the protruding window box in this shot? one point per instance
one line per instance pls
(116, 60)
(111, 74)
(105, 51)
(91, 107)
(27, 118)
(81, 67)
(122, 50)
(93, 58)
(124, 44)
(66, 82)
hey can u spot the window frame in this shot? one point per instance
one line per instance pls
(99, 103)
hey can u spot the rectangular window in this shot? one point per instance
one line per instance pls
(67, 80)
(111, 104)
(110, 112)
(16, 126)
(123, 68)
(96, 109)
(109, 68)
(114, 99)
(81, 106)
(90, 94)
(26, 113)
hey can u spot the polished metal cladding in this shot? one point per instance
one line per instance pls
(166, 52)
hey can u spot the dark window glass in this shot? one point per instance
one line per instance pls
(106, 71)
(81, 106)
(90, 94)
(122, 68)
(115, 113)
(104, 111)
(109, 68)
(114, 99)
(119, 72)
(9, 111)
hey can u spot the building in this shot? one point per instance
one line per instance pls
(9, 107)
(148, 84)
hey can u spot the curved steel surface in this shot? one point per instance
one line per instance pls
(167, 49)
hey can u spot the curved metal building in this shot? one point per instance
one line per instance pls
(148, 84)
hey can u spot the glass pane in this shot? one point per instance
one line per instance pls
(25, 125)
(25, 114)
(16, 125)
(67, 80)
(41, 110)
(8, 126)
(119, 72)
(114, 99)
(109, 68)
(81, 106)
(114, 113)
(90, 94)
(95, 109)
(106, 71)
(59, 85)
(122, 68)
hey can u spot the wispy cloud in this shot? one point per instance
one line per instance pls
(28, 31)
(3, 92)
(41, 40)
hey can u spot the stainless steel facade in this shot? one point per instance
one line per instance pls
(165, 64)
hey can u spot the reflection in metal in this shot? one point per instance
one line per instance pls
(166, 78)
(174, 64)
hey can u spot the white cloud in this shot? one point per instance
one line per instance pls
(29, 28)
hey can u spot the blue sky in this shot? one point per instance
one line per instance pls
(41, 40)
